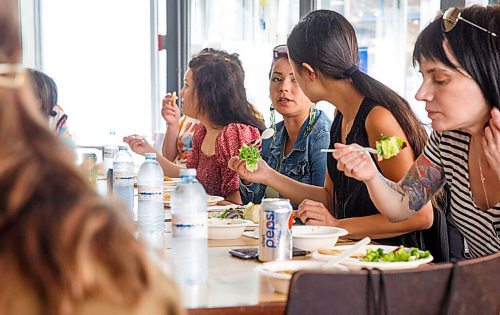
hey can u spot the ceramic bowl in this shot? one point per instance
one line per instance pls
(311, 237)
(225, 229)
(279, 273)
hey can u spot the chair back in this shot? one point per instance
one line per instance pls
(466, 287)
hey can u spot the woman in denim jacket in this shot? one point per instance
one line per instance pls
(294, 150)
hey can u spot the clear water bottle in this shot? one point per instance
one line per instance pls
(189, 230)
(109, 152)
(151, 216)
(123, 177)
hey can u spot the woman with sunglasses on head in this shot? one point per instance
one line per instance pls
(459, 57)
(214, 94)
(64, 249)
(294, 148)
(324, 56)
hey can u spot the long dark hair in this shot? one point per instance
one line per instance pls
(476, 51)
(45, 89)
(327, 42)
(219, 84)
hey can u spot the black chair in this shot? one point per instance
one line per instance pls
(466, 287)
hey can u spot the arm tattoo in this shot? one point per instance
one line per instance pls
(394, 186)
(421, 182)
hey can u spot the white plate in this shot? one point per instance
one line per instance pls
(211, 200)
(353, 263)
(224, 229)
(172, 182)
(281, 281)
(311, 237)
(325, 257)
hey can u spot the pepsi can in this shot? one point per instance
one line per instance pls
(275, 225)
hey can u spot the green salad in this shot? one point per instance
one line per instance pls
(400, 254)
(388, 147)
(251, 156)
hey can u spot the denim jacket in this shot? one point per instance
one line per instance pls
(305, 163)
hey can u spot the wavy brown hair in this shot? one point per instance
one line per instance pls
(56, 232)
(219, 84)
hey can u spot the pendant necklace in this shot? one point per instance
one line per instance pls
(482, 183)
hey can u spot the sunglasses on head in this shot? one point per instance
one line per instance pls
(451, 17)
(280, 51)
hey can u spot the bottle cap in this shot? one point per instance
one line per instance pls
(150, 156)
(122, 147)
(187, 172)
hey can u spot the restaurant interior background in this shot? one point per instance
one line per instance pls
(112, 70)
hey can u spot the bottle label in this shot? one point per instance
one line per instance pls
(192, 225)
(109, 152)
(150, 193)
(123, 178)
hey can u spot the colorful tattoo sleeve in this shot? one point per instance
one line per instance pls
(421, 182)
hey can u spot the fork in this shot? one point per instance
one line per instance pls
(362, 149)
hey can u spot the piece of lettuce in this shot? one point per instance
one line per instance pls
(251, 156)
(400, 254)
(388, 147)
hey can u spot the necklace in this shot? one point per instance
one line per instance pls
(482, 183)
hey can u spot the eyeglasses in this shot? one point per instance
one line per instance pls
(280, 51)
(450, 19)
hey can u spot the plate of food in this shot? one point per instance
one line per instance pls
(378, 256)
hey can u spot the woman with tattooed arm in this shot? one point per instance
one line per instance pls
(458, 56)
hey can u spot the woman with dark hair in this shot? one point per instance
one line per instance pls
(323, 53)
(63, 248)
(294, 149)
(214, 94)
(459, 57)
(46, 92)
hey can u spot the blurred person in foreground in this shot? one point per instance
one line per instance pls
(458, 55)
(63, 248)
(294, 148)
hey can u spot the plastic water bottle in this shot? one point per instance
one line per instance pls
(190, 230)
(151, 216)
(110, 149)
(123, 177)
(109, 152)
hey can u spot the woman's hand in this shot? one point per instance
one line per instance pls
(138, 144)
(170, 111)
(356, 164)
(315, 213)
(258, 176)
(491, 141)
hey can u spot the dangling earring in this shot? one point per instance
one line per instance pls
(312, 120)
(271, 131)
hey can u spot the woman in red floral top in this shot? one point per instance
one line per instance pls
(213, 93)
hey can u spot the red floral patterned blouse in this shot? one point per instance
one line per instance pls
(212, 171)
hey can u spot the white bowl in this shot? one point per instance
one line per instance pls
(226, 229)
(312, 237)
(280, 280)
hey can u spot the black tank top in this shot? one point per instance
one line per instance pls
(351, 198)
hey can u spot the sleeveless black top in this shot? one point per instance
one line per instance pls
(351, 198)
